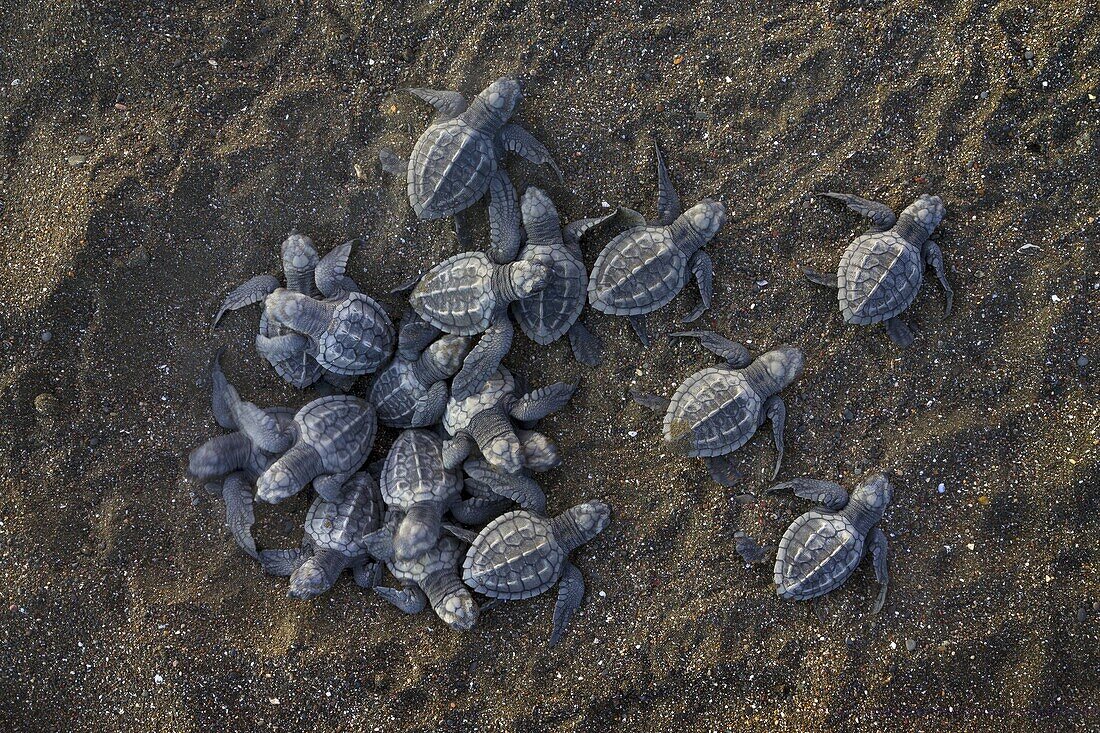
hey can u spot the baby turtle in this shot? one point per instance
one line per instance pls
(491, 492)
(329, 441)
(555, 310)
(469, 294)
(645, 267)
(458, 159)
(305, 273)
(411, 392)
(483, 420)
(522, 554)
(882, 270)
(716, 410)
(821, 548)
(335, 540)
(431, 578)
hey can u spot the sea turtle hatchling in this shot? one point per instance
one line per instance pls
(522, 554)
(484, 420)
(328, 441)
(822, 547)
(716, 410)
(488, 493)
(431, 578)
(646, 266)
(334, 540)
(458, 159)
(881, 271)
(305, 273)
(468, 294)
(555, 310)
(411, 391)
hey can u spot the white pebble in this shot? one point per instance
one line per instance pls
(941, 488)
(158, 679)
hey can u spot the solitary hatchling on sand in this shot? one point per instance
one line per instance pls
(458, 159)
(335, 540)
(822, 547)
(484, 420)
(645, 267)
(881, 271)
(716, 410)
(522, 554)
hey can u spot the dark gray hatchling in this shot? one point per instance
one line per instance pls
(555, 310)
(522, 554)
(717, 410)
(429, 579)
(469, 294)
(881, 271)
(227, 464)
(335, 540)
(822, 548)
(412, 391)
(458, 159)
(484, 420)
(328, 441)
(646, 266)
(306, 273)
(488, 493)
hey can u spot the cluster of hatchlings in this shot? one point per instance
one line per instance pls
(469, 450)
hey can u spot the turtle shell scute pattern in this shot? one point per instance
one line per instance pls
(444, 556)
(414, 471)
(720, 409)
(359, 338)
(816, 555)
(450, 168)
(342, 526)
(395, 393)
(460, 412)
(456, 295)
(340, 428)
(878, 277)
(516, 556)
(547, 315)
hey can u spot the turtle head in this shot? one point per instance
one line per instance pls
(527, 277)
(538, 210)
(578, 525)
(539, 452)
(706, 218)
(501, 97)
(926, 213)
(447, 353)
(299, 254)
(875, 493)
(458, 609)
(308, 581)
(504, 453)
(783, 365)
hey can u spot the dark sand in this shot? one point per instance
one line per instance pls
(209, 131)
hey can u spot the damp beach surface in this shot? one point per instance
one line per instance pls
(154, 158)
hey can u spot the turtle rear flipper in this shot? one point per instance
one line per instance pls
(899, 333)
(722, 470)
(247, 293)
(751, 552)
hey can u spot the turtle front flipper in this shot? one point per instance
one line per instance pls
(282, 563)
(722, 470)
(483, 359)
(392, 163)
(899, 333)
(239, 516)
(504, 218)
(587, 347)
(460, 533)
(367, 574)
(543, 401)
(277, 348)
(331, 275)
(776, 411)
(430, 407)
(410, 600)
(734, 354)
(330, 487)
(447, 104)
(828, 494)
(519, 141)
(933, 257)
(882, 216)
(457, 449)
(570, 595)
(702, 268)
(879, 547)
(414, 337)
(247, 293)
(521, 489)
(668, 201)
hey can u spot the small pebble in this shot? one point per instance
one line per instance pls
(77, 159)
(1082, 614)
(941, 488)
(46, 336)
(633, 433)
(158, 679)
(1082, 361)
(910, 644)
(1029, 55)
